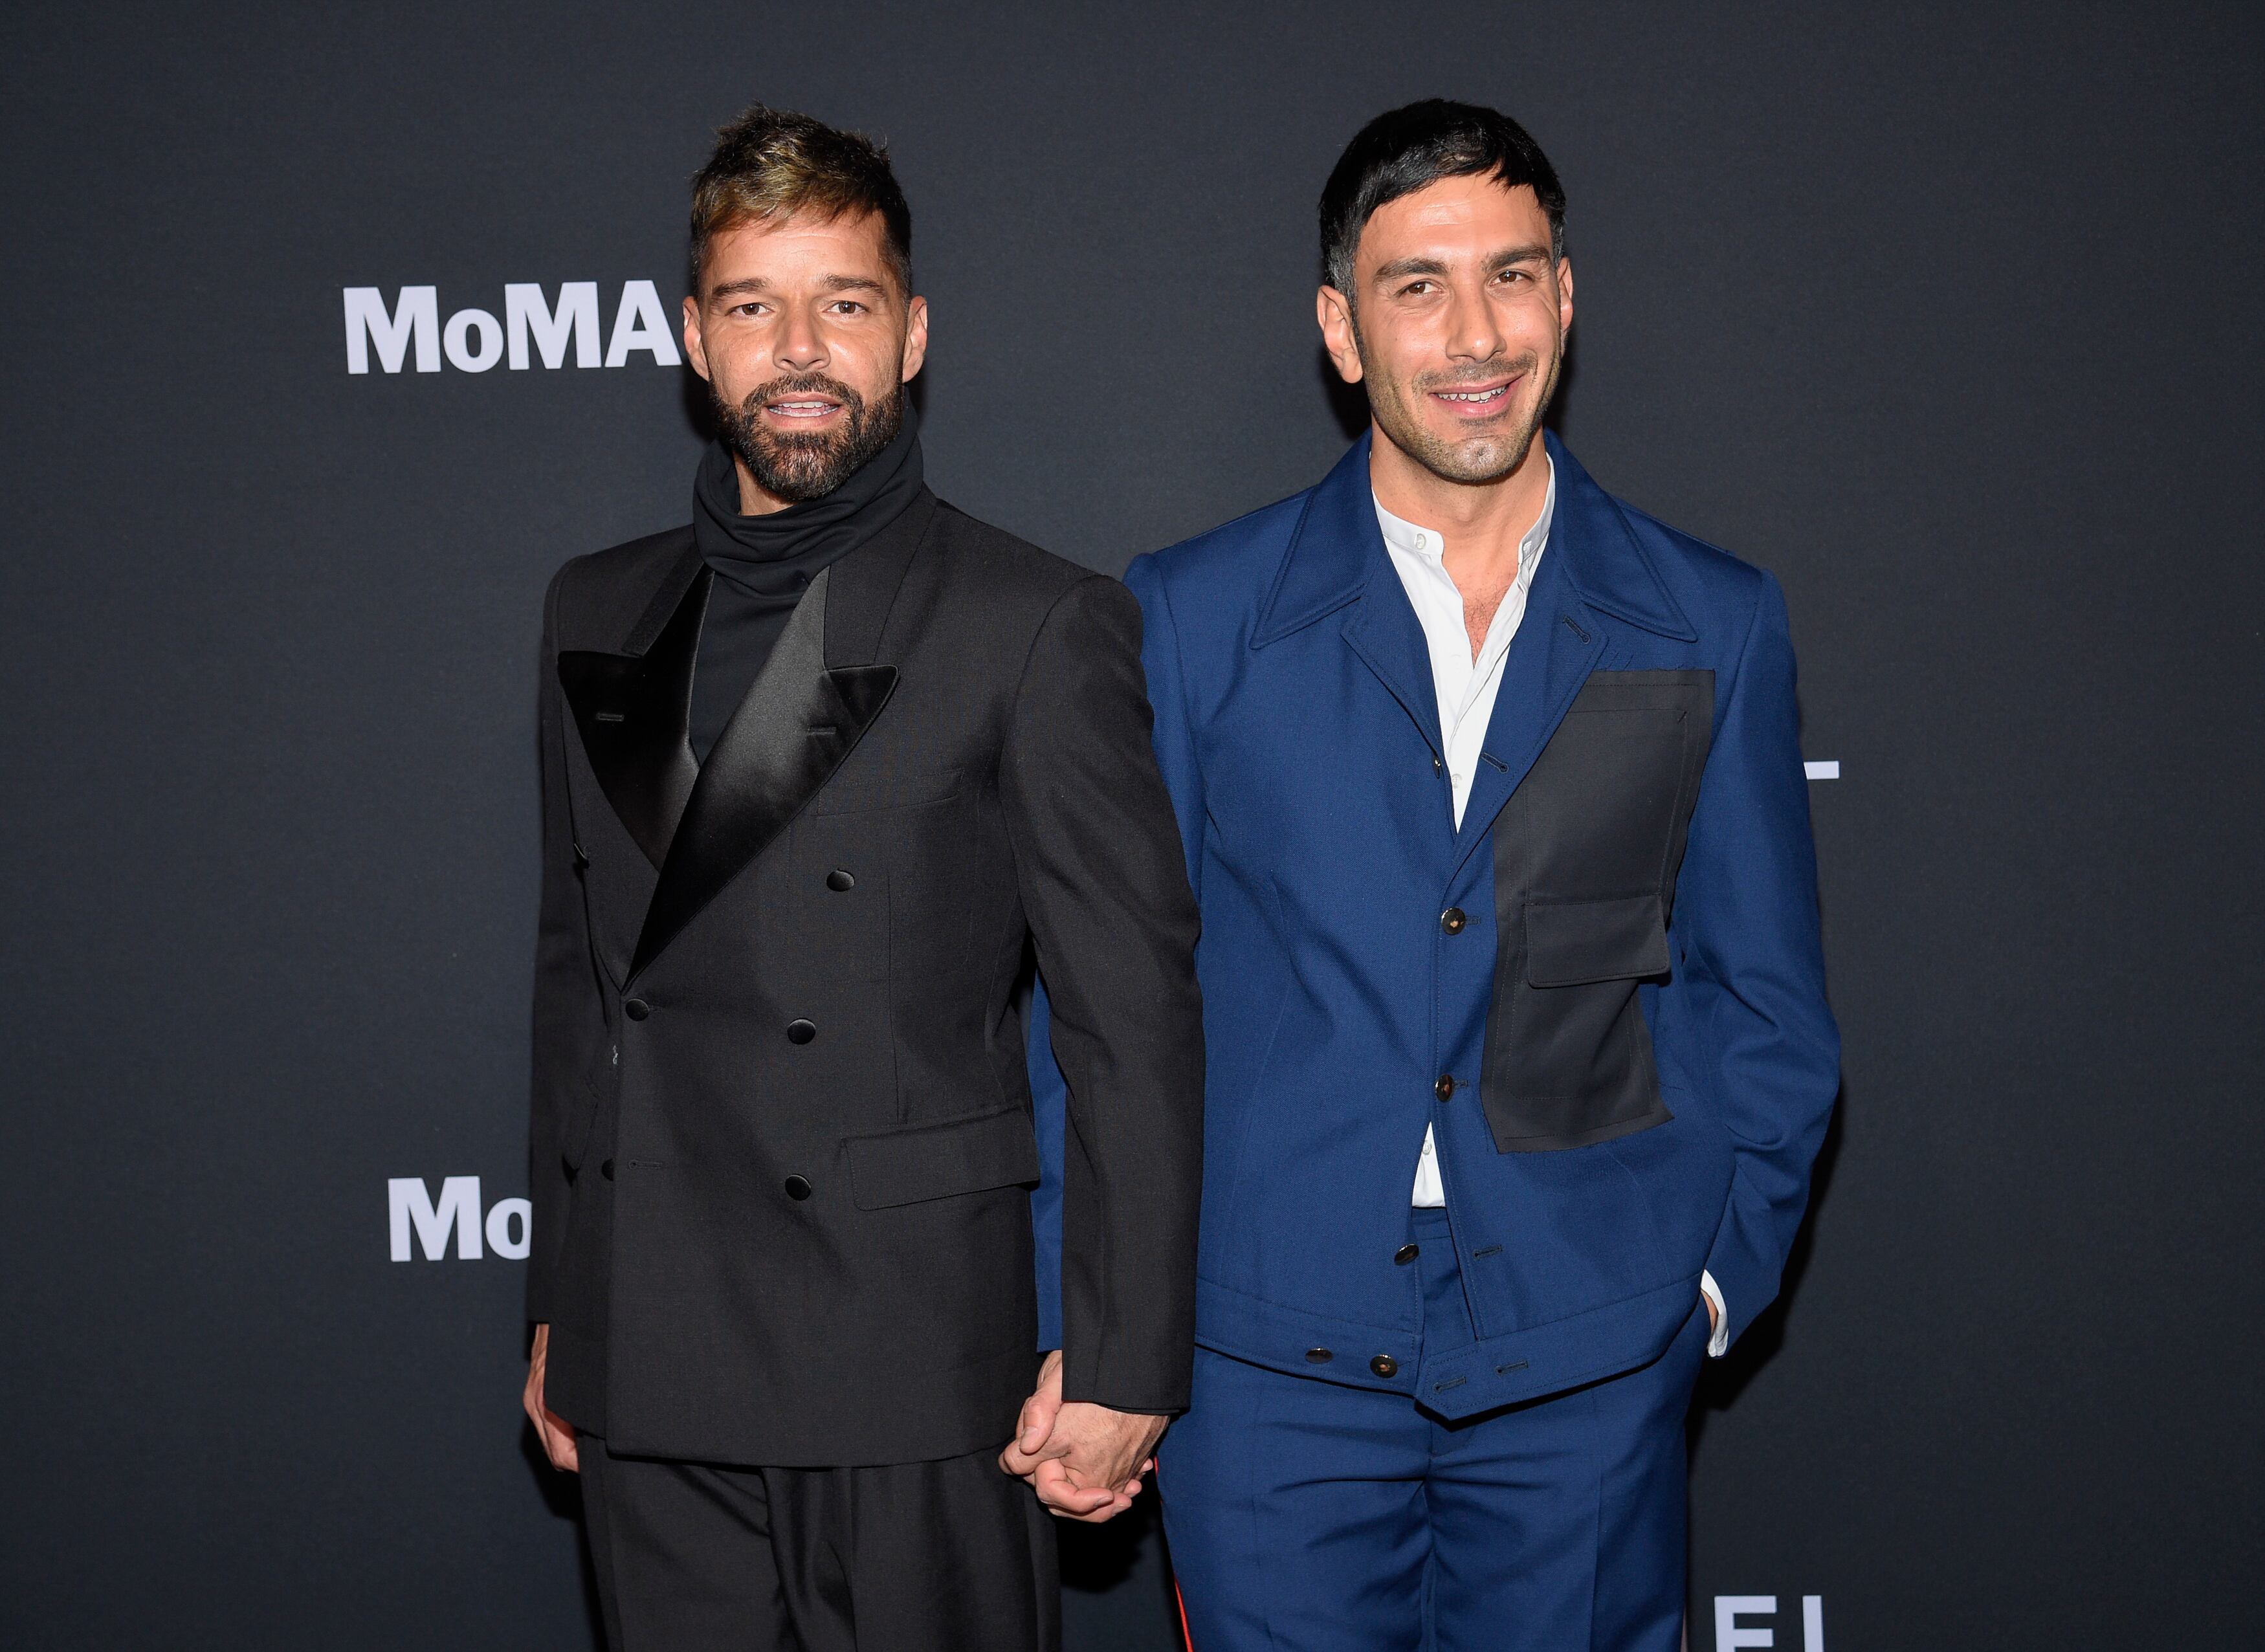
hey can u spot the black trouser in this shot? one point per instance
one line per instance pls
(945, 1556)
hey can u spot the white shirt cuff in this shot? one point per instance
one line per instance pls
(1719, 1343)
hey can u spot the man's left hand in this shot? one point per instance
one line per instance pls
(1085, 1461)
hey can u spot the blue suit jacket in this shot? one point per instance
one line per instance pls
(1618, 1031)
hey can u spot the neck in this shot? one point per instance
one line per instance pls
(755, 499)
(1483, 521)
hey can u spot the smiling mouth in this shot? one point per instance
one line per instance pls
(802, 408)
(1477, 398)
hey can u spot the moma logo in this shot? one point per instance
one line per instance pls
(533, 328)
(414, 1214)
(1737, 1623)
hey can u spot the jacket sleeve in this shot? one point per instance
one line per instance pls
(564, 987)
(1746, 921)
(1099, 866)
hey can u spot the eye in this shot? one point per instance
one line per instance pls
(751, 307)
(849, 307)
(1416, 289)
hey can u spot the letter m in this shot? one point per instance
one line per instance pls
(410, 1206)
(417, 316)
(524, 310)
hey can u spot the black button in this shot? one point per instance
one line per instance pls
(636, 1009)
(801, 1031)
(1453, 920)
(839, 882)
(1319, 1355)
(581, 857)
(797, 1188)
(1407, 1254)
(1385, 1366)
(607, 1169)
(1445, 1089)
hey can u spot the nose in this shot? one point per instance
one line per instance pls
(801, 347)
(1474, 330)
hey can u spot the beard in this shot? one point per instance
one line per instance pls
(799, 468)
(1482, 456)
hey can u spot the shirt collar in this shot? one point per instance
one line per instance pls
(1425, 543)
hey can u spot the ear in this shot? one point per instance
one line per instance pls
(1334, 311)
(1564, 295)
(915, 351)
(696, 351)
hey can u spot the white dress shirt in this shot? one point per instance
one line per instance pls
(1467, 687)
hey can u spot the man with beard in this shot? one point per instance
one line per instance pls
(822, 772)
(1519, 1053)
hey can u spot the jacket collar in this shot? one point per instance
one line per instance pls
(1336, 549)
(820, 692)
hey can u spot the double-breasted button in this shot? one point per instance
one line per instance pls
(1407, 1254)
(801, 1031)
(1453, 920)
(636, 1009)
(1438, 767)
(797, 1188)
(1385, 1366)
(1445, 1089)
(839, 882)
(1319, 1355)
(607, 1169)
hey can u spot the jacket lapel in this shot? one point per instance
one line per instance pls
(1337, 559)
(1592, 572)
(813, 701)
(633, 708)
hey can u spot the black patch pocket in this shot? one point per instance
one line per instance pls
(1586, 851)
(968, 1156)
(1576, 942)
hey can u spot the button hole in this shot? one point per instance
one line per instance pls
(1515, 1364)
(1489, 1250)
(1574, 626)
(1491, 758)
(1452, 1382)
(611, 717)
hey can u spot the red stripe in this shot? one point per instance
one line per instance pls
(1156, 1478)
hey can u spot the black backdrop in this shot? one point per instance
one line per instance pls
(1944, 313)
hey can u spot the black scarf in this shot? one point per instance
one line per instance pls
(763, 564)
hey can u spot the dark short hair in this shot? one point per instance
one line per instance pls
(1407, 150)
(771, 163)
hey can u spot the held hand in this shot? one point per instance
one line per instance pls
(1084, 1461)
(554, 1431)
(1105, 1451)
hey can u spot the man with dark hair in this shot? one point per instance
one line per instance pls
(821, 772)
(1519, 1053)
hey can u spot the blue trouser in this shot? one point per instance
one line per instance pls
(1305, 1516)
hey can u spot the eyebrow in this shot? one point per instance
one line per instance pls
(832, 284)
(1400, 269)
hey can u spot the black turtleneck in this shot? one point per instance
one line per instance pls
(763, 564)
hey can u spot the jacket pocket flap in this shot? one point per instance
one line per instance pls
(969, 1156)
(1571, 942)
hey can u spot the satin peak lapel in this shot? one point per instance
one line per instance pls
(633, 710)
(796, 725)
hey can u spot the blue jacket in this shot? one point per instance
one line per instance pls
(1605, 992)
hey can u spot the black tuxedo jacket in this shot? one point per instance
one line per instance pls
(782, 1138)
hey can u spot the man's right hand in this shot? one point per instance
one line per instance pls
(554, 1431)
